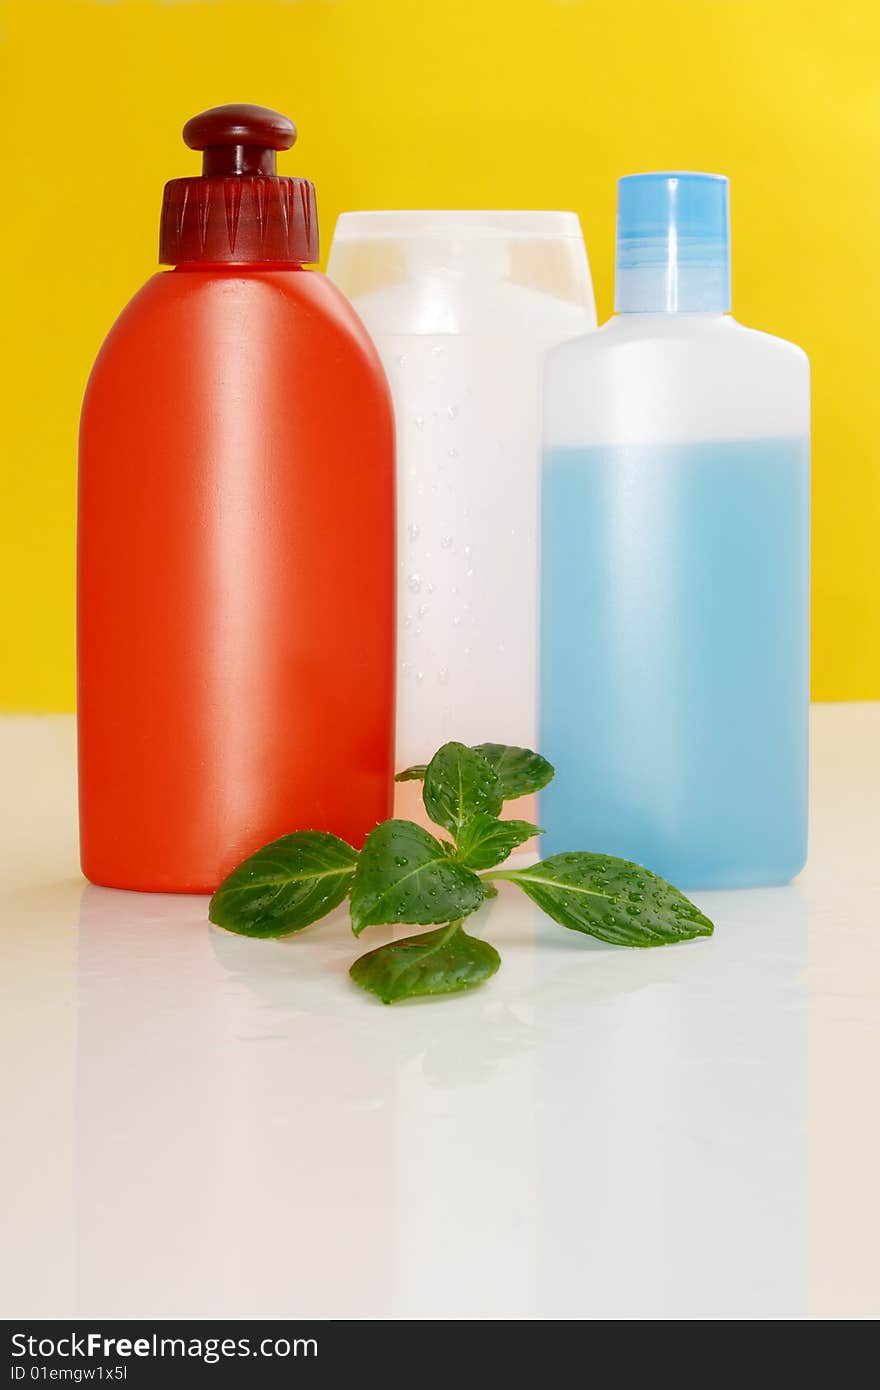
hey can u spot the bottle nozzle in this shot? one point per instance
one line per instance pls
(239, 139)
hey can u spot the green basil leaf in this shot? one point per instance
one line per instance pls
(458, 784)
(435, 962)
(405, 875)
(285, 886)
(610, 898)
(521, 771)
(485, 841)
(413, 774)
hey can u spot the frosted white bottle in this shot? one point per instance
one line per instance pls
(675, 564)
(463, 307)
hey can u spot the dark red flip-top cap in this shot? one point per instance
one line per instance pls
(239, 212)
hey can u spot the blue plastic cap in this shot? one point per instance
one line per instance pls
(673, 244)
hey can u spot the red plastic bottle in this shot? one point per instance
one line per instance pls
(236, 539)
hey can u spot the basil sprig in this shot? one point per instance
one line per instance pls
(404, 875)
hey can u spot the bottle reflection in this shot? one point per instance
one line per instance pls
(257, 1138)
(598, 1130)
(683, 1192)
(229, 1122)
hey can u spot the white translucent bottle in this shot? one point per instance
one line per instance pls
(675, 564)
(463, 307)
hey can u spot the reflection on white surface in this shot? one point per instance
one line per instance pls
(685, 1190)
(195, 1124)
(269, 1141)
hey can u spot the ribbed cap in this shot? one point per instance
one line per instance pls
(239, 211)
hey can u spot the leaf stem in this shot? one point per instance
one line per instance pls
(449, 932)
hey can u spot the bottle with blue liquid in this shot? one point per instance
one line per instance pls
(675, 564)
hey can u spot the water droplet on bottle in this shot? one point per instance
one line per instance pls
(452, 411)
(437, 351)
(446, 543)
(453, 453)
(469, 574)
(423, 608)
(456, 621)
(413, 531)
(414, 583)
(401, 360)
(420, 676)
(468, 551)
(443, 675)
(420, 422)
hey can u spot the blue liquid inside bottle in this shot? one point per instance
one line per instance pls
(675, 657)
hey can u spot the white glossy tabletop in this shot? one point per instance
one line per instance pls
(199, 1125)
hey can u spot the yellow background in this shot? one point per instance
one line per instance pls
(457, 103)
